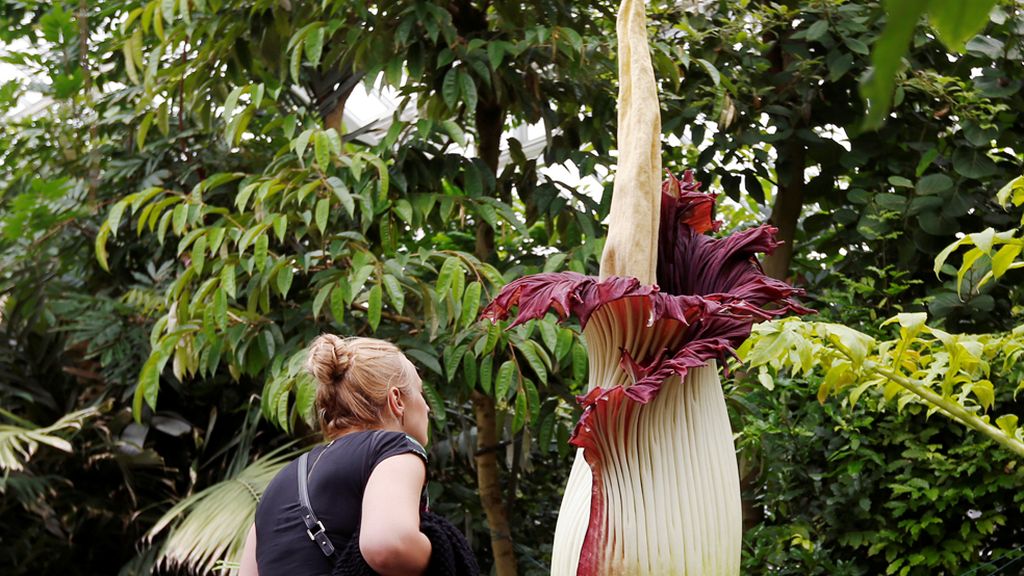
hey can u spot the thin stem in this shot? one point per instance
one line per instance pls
(955, 410)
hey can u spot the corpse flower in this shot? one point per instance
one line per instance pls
(655, 487)
(661, 495)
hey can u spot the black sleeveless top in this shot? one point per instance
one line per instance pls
(337, 473)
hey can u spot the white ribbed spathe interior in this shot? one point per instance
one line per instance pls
(669, 474)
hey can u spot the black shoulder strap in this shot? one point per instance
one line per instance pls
(314, 528)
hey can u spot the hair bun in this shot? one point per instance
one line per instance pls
(329, 358)
(342, 357)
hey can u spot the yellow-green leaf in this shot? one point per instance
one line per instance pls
(322, 150)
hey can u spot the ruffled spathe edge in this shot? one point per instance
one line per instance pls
(713, 287)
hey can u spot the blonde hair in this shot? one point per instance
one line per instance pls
(353, 378)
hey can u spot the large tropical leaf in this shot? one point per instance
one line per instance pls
(210, 526)
(19, 442)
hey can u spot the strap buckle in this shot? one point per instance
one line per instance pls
(320, 531)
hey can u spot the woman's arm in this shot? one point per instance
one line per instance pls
(389, 532)
(248, 565)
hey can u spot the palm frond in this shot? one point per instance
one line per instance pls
(210, 526)
(19, 442)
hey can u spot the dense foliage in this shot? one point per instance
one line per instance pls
(188, 207)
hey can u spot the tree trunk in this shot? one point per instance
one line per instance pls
(490, 486)
(786, 212)
(490, 120)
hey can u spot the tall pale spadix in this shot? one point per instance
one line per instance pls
(654, 489)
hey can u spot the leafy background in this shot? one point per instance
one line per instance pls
(188, 208)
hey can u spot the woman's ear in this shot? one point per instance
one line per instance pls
(395, 402)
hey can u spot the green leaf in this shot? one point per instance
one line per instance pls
(1004, 258)
(856, 45)
(305, 398)
(532, 400)
(395, 293)
(563, 343)
(167, 10)
(260, 251)
(358, 280)
(428, 360)
(450, 88)
(983, 240)
(227, 280)
(452, 358)
(344, 196)
(520, 414)
(140, 138)
(319, 299)
(493, 334)
(322, 210)
(1012, 191)
(338, 304)
(554, 262)
(231, 102)
(101, 245)
(495, 53)
(373, 308)
(403, 208)
(179, 219)
(1008, 424)
(817, 31)
(280, 226)
(296, 62)
(579, 362)
(548, 333)
(902, 17)
(940, 260)
(984, 392)
(486, 372)
(926, 160)
(301, 142)
(854, 344)
(973, 163)
(199, 254)
(444, 277)
(933, 184)
(531, 352)
(985, 46)
(322, 150)
(436, 402)
(453, 130)
(712, 71)
(470, 303)
(220, 309)
(314, 46)
(900, 182)
(130, 49)
(839, 64)
(148, 387)
(970, 258)
(284, 279)
(503, 382)
(469, 370)
(468, 90)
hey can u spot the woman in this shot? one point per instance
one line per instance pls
(366, 482)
